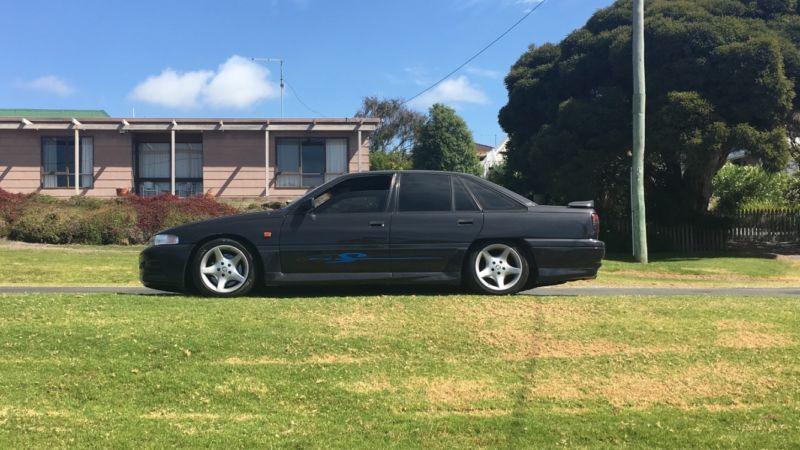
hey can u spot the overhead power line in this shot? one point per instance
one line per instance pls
(302, 102)
(480, 52)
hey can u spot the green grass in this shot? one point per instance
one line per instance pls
(68, 265)
(85, 265)
(398, 371)
(704, 269)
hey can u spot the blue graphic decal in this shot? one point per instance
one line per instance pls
(347, 258)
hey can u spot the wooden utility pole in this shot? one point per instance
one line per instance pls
(638, 217)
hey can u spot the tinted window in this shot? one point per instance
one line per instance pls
(357, 195)
(464, 201)
(424, 192)
(490, 199)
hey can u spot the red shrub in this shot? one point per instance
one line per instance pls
(10, 204)
(156, 213)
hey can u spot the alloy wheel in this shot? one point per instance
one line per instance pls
(224, 269)
(498, 267)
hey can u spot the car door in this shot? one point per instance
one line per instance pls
(435, 222)
(345, 230)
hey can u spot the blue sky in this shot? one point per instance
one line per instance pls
(191, 58)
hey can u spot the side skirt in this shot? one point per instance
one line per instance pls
(280, 278)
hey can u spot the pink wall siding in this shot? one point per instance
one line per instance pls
(233, 162)
(20, 162)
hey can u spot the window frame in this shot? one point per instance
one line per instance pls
(456, 179)
(70, 175)
(522, 207)
(159, 139)
(299, 173)
(393, 180)
(399, 187)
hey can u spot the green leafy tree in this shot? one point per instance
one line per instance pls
(721, 76)
(394, 160)
(737, 187)
(445, 143)
(399, 125)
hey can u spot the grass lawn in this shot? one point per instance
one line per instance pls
(65, 265)
(68, 265)
(703, 269)
(398, 371)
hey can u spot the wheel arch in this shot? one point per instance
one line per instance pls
(187, 271)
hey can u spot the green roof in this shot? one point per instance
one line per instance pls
(53, 113)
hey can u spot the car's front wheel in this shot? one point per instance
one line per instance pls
(223, 268)
(497, 268)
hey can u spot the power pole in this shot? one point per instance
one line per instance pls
(638, 216)
(277, 60)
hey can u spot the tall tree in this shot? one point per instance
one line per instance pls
(445, 143)
(399, 124)
(721, 76)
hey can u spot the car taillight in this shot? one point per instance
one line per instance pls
(596, 225)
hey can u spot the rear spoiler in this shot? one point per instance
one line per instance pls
(586, 204)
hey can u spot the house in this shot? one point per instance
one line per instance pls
(482, 150)
(494, 157)
(239, 158)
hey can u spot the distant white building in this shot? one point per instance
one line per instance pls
(494, 157)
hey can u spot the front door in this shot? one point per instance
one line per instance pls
(346, 231)
(435, 223)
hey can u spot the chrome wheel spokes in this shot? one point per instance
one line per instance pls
(224, 269)
(498, 267)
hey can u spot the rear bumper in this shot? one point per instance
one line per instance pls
(561, 260)
(163, 267)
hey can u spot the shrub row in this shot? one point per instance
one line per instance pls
(82, 220)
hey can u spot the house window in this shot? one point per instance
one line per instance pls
(153, 168)
(58, 162)
(310, 162)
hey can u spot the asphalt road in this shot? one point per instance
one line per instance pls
(348, 291)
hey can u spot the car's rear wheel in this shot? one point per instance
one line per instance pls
(497, 268)
(223, 268)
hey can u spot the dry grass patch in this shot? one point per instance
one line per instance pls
(372, 385)
(746, 334)
(682, 389)
(458, 394)
(315, 359)
(519, 345)
(174, 416)
(242, 385)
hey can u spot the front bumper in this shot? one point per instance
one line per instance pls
(163, 267)
(559, 261)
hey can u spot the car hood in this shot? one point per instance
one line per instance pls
(222, 223)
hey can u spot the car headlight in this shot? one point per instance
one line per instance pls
(164, 239)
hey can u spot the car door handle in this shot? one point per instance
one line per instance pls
(465, 221)
(377, 223)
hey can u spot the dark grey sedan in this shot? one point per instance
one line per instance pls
(397, 226)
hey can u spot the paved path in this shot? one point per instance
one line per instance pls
(556, 290)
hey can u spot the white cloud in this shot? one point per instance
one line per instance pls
(457, 90)
(481, 72)
(173, 89)
(49, 84)
(237, 83)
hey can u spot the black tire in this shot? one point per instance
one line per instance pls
(520, 262)
(231, 287)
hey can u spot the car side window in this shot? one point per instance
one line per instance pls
(424, 192)
(490, 199)
(461, 197)
(366, 194)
